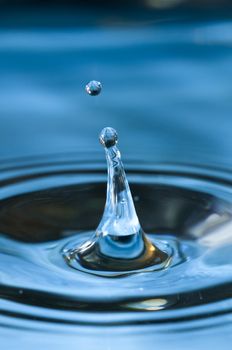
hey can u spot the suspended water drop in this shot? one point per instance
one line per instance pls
(119, 243)
(93, 88)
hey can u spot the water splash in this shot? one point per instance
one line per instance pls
(119, 243)
(45, 222)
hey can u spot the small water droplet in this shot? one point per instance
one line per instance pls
(108, 137)
(93, 88)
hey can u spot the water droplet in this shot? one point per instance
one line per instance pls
(93, 88)
(119, 243)
(108, 137)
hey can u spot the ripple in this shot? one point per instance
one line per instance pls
(54, 204)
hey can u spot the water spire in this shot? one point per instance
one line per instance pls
(119, 218)
(119, 243)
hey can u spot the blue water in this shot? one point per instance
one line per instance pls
(170, 84)
(167, 89)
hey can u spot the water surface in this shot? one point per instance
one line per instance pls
(169, 83)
